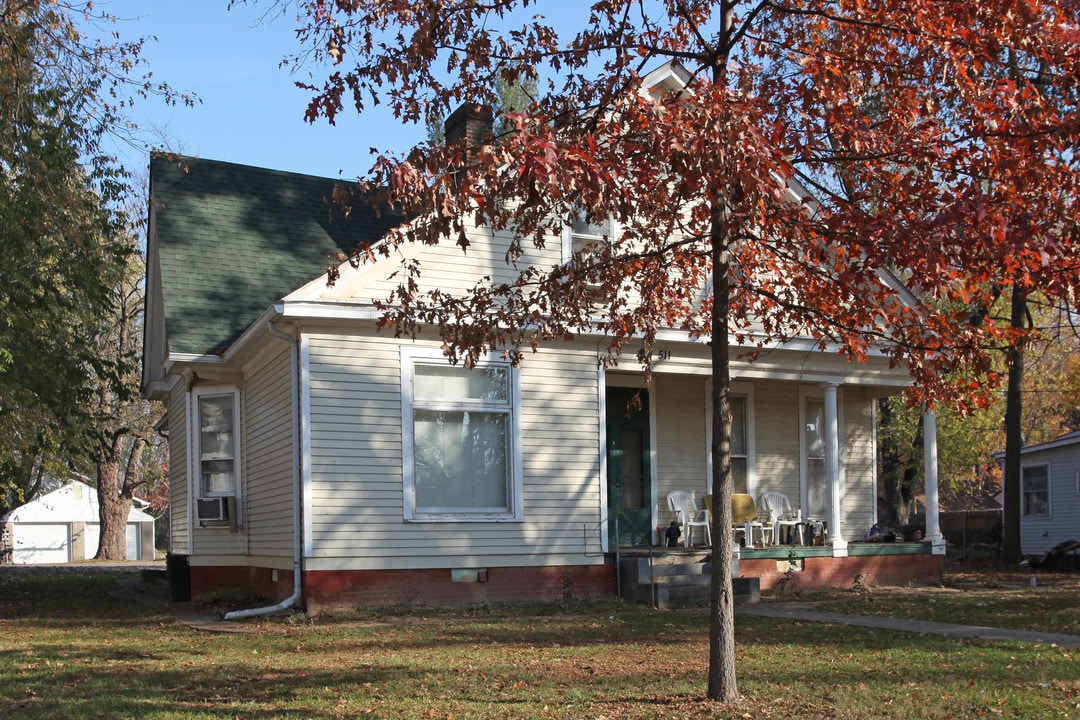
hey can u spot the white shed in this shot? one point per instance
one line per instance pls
(64, 526)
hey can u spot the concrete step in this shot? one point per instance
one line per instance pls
(679, 581)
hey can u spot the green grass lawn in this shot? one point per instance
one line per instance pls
(988, 597)
(68, 649)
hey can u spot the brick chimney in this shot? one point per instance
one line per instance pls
(471, 125)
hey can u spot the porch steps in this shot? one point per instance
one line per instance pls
(675, 580)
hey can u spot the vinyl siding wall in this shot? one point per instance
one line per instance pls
(1040, 534)
(357, 514)
(444, 266)
(777, 438)
(269, 462)
(679, 402)
(179, 519)
(858, 452)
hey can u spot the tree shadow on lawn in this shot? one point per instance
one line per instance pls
(72, 656)
(310, 670)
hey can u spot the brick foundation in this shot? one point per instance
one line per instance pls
(833, 572)
(258, 581)
(373, 588)
(328, 589)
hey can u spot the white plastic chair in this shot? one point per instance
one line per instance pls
(778, 509)
(688, 516)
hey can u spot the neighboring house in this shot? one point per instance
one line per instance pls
(319, 461)
(64, 526)
(1049, 493)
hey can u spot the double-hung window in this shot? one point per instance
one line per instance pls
(1035, 481)
(461, 460)
(590, 238)
(217, 441)
(581, 233)
(739, 454)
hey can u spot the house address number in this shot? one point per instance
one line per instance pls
(663, 354)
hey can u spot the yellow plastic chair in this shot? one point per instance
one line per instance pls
(744, 519)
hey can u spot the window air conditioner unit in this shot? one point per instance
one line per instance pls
(217, 510)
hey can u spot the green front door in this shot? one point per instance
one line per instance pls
(629, 481)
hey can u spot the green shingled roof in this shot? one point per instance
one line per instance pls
(233, 239)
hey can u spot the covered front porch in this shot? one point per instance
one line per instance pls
(811, 441)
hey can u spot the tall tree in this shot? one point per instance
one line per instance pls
(1025, 333)
(515, 93)
(66, 82)
(122, 423)
(57, 260)
(1052, 391)
(920, 100)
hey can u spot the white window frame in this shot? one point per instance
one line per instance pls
(744, 390)
(818, 393)
(1024, 491)
(514, 512)
(568, 236)
(196, 440)
(744, 456)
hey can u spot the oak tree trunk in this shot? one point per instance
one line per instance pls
(722, 682)
(114, 497)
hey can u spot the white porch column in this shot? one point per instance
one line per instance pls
(933, 520)
(832, 471)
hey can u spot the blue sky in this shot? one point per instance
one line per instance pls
(251, 113)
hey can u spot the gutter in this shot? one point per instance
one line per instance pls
(297, 515)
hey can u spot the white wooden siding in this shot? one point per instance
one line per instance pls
(679, 402)
(178, 470)
(444, 266)
(777, 436)
(858, 453)
(1040, 534)
(269, 462)
(357, 516)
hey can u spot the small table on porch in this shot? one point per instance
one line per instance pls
(806, 532)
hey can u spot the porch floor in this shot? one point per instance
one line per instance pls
(785, 551)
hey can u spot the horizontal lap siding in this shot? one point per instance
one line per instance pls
(449, 269)
(776, 432)
(1040, 534)
(178, 470)
(355, 447)
(679, 403)
(860, 491)
(269, 433)
(356, 481)
(560, 449)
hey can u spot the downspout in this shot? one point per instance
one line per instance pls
(298, 513)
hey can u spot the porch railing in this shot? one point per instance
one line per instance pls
(646, 536)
